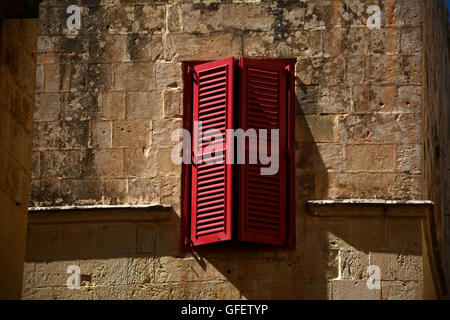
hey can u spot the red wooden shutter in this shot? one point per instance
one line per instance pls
(263, 198)
(211, 206)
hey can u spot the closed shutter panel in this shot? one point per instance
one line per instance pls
(211, 205)
(263, 198)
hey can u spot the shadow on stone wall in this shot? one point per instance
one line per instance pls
(142, 260)
(135, 253)
(56, 240)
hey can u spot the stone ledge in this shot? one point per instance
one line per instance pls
(369, 208)
(98, 213)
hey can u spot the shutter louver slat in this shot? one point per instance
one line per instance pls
(211, 206)
(263, 206)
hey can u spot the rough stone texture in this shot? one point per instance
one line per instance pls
(123, 255)
(436, 96)
(17, 69)
(117, 83)
(359, 117)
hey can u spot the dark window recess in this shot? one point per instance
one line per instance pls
(233, 205)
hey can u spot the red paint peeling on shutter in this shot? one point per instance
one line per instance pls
(211, 205)
(263, 199)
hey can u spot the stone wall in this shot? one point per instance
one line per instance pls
(110, 94)
(436, 115)
(134, 254)
(17, 81)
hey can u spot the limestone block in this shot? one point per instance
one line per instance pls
(131, 133)
(144, 105)
(354, 290)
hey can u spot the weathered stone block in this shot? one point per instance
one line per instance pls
(141, 162)
(346, 41)
(305, 186)
(145, 47)
(218, 18)
(118, 270)
(312, 128)
(182, 46)
(173, 18)
(402, 290)
(296, 43)
(354, 290)
(51, 274)
(316, 266)
(108, 163)
(35, 171)
(169, 269)
(42, 242)
(115, 190)
(395, 69)
(108, 47)
(173, 103)
(101, 134)
(114, 105)
(162, 132)
(134, 76)
(47, 135)
(99, 77)
(385, 40)
(165, 164)
(168, 75)
(61, 164)
(353, 265)
(44, 192)
(373, 185)
(409, 158)
(171, 191)
(409, 98)
(75, 134)
(145, 241)
(318, 70)
(116, 239)
(370, 157)
(352, 13)
(335, 100)
(95, 19)
(403, 13)
(144, 105)
(144, 190)
(396, 266)
(149, 18)
(306, 99)
(48, 107)
(381, 128)
(131, 133)
(80, 191)
(119, 19)
(404, 235)
(357, 69)
(77, 241)
(321, 15)
(375, 98)
(318, 157)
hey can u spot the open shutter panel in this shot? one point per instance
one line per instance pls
(211, 205)
(263, 198)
